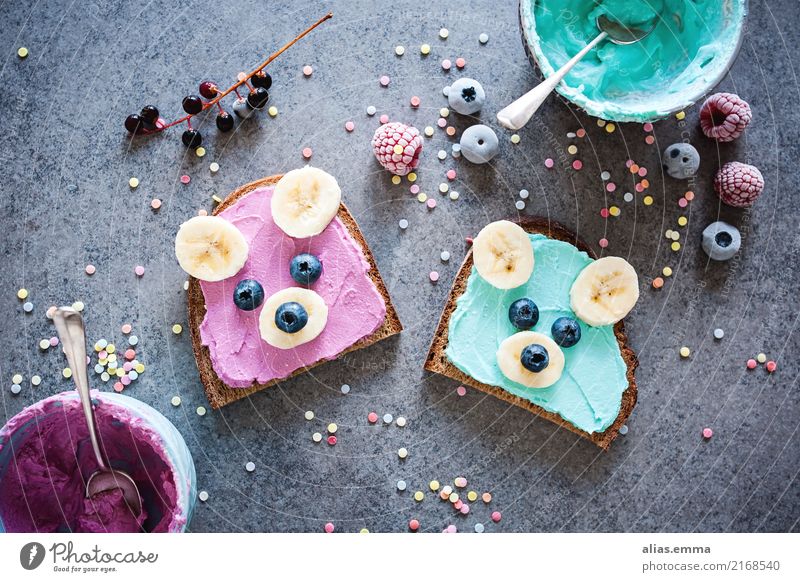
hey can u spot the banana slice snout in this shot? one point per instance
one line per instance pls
(522, 353)
(300, 311)
(605, 291)
(305, 201)
(210, 248)
(503, 254)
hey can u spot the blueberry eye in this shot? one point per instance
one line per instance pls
(534, 357)
(248, 294)
(566, 332)
(523, 313)
(305, 268)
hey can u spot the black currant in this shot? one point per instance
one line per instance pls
(224, 121)
(261, 79)
(192, 104)
(134, 124)
(258, 98)
(149, 114)
(192, 138)
(208, 89)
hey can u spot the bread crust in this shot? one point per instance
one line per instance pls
(437, 360)
(218, 393)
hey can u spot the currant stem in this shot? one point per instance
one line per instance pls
(245, 80)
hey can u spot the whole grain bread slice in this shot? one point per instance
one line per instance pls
(219, 394)
(437, 360)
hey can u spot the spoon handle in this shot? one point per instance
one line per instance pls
(69, 324)
(517, 114)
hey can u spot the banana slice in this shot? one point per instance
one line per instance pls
(314, 306)
(605, 291)
(503, 254)
(305, 201)
(210, 248)
(509, 359)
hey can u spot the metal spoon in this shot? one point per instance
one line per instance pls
(517, 114)
(69, 324)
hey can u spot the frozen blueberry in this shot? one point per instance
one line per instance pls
(291, 317)
(248, 294)
(534, 358)
(466, 96)
(305, 268)
(681, 160)
(479, 144)
(566, 332)
(721, 241)
(523, 313)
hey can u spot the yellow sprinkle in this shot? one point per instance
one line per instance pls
(444, 112)
(398, 149)
(434, 485)
(214, 167)
(515, 138)
(102, 361)
(139, 368)
(201, 411)
(273, 111)
(177, 328)
(761, 358)
(412, 177)
(680, 115)
(667, 271)
(429, 131)
(396, 180)
(120, 372)
(200, 152)
(133, 182)
(676, 246)
(22, 52)
(67, 373)
(472, 496)
(363, 530)
(610, 127)
(111, 348)
(216, 199)
(419, 496)
(22, 293)
(332, 428)
(422, 197)
(685, 352)
(601, 122)
(402, 452)
(453, 497)
(44, 344)
(683, 221)
(425, 49)
(16, 379)
(572, 149)
(78, 306)
(648, 200)
(614, 211)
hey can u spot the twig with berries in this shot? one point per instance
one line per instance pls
(258, 82)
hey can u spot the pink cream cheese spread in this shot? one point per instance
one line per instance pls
(355, 307)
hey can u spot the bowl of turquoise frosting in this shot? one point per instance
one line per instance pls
(690, 50)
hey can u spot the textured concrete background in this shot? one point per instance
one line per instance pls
(66, 161)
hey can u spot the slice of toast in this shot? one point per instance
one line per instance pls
(437, 360)
(218, 393)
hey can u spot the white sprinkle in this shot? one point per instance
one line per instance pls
(443, 33)
(401, 421)
(719, 333)
(345, 388)
(399, 50)
(520, 205)
(99, 369)
(371, 110)
(454, 195)
(387, 418)
(309, 415)
(401, 485)
(571, 135)
(445, 256)
(133, 340)
(627, 197)
(483, 38)
(176, 401)
(36, 380)
(133, 375)
(604, 175)
(201, 411)
(479, 528)
(668, 233)
(403, 224)
(442, 154)
(203, 496)
(402, 452)
(186, 285)
(27, 306)
(250, 466)
(455, 150)
(104, 376)
(524, 194)
(15, 388)
(317, 437)
(623, 430)
(78, 306)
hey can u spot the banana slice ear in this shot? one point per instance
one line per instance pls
(503, 255)
(605, 291)
(304, 201)
(210, 248)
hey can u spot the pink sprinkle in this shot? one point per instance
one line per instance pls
(384, 118)
(415, 101)
(332, 441)
(102, 354)
(461, 391)
(125, 380)
(202, 212)
(604, 212)
(139, 270)
(431, 203)
(629, 163)
(118, 386)
(349, 126)
(649, 140)
(130, 354)
(329, 527)
(465, 509)
(307, 153)
(683, 202)
(648, 127)
(458, 505)
(451, 529)
(372, 418)
(751, 364)
(127, 366)
(707, 433)
(642, 171)
(385, 80)
(185, 179)
(126, 328)
(639, 188)
(414, 189)
(53, 341)
(442, 122)
(413, 525)
(581, 132)
(461, 63)
(603, 242)
(451, 174)
(446, 64)
(611, 186)
(496, 516)
(155, 204)
(772, 366)
(90, 269)
(434, 276)
(577, 164)
(549, 163)
(307, 70)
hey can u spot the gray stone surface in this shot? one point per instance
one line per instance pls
(66, 161)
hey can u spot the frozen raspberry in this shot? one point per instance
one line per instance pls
(397, 147)
(724, 116)
(738, 184)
